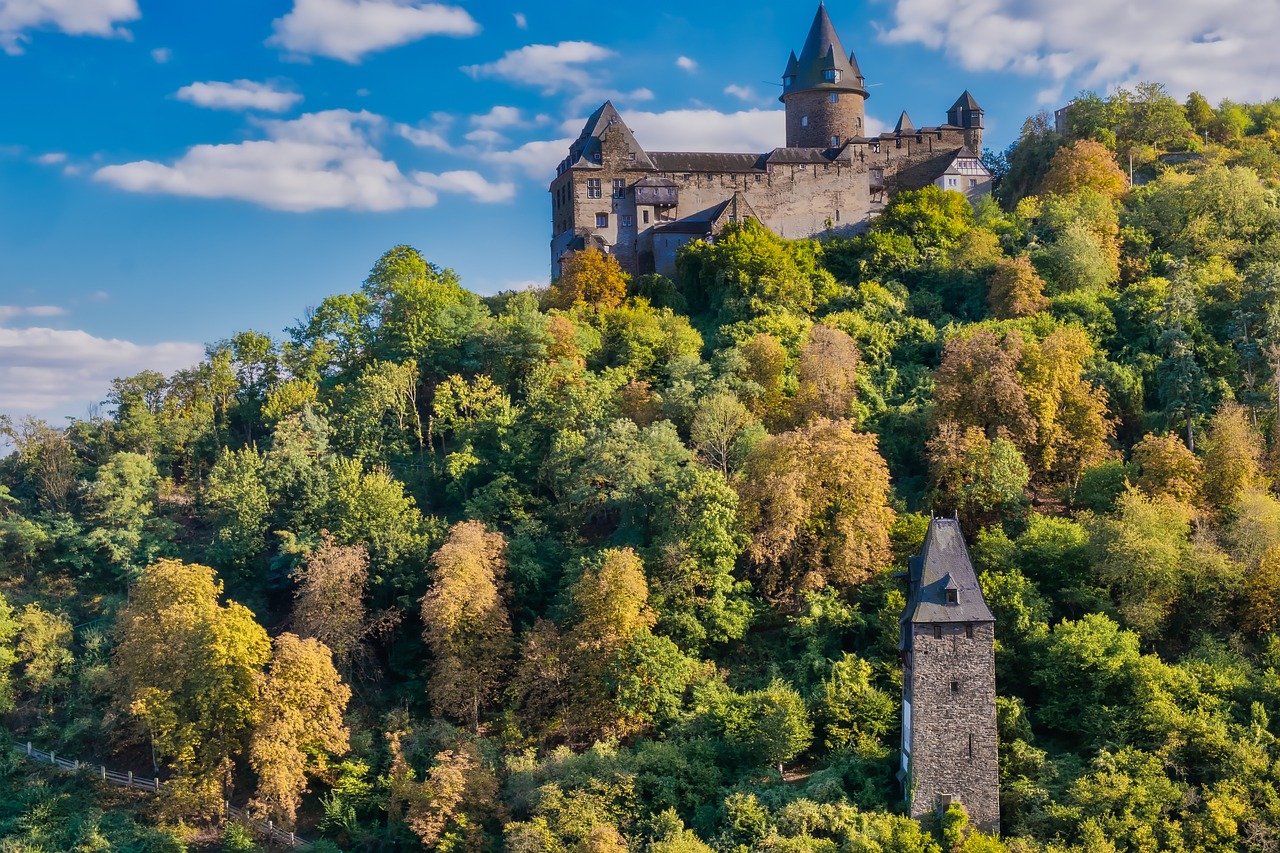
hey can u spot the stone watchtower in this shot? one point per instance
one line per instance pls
(823, 90)
(948, 684)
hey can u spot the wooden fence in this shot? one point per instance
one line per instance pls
(128, 780)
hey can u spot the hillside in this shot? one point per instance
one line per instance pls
(610, 565)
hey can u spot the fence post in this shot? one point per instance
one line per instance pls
(102, 772)
(77, 767)
(130, 779)
(53, 758)
(28, 749)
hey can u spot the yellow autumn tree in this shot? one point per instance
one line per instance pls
(589, 277)
(302, 703)
(1232, 456)
(189, 668)
(1167, 468)
(465, 622)
(828, 375)
(816, 503)
(1015, 289)
(1084, 165)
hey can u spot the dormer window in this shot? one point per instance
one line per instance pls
(831, 76)
(952, 597)
(788, 81)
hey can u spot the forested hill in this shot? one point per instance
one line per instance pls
(610, 566)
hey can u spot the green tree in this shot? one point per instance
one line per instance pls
(1015, 290)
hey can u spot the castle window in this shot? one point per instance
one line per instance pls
(628, 221)
(788, 81)
(835, 142)
(952, 596)
(644, 215)
(593, 188)
(602, 220)
(804, 121)
(596, 157)
(937, 632)
(619, 188)
(955, 687)
(968, 632)
(831, 76)
(835, 98)
(971, 746)
(973, 182)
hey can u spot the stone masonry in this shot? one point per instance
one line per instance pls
(949, 739)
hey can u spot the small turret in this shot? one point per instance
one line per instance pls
(965, 113)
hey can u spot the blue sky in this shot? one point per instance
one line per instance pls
(172, 171)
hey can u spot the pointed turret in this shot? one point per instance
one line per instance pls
(904, 124)
(965, 113)
(823, 89)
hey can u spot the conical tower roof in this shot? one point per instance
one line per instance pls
(823, 53)
(904, 124)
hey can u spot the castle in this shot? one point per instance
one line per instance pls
(643, 206)
(948, 684)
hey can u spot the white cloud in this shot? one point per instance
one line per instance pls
(468, 183)
(684, 63)
(53, 158)
(536, 159)
(522, 23)
(553, 68)
(73, 17)
(318, 161)
(427, 137)
(501, 118)
(742, 93)
(485, 137)
(1223, 49)
(42, 370)
(748, 131)
(161, 55)
(8, 312)
(238, 95)
(349, 29)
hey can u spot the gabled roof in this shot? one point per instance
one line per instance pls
(692, 161)
(904, 124)
(823, 52)
(966, 102)
(604, 121)
(942, 564)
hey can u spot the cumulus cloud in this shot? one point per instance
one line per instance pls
(8, 312)
(552, 67)
(53, 158)
(536, 159)
(73, 17)
(747, 131)
(43, 370)
(501, 118)
(742, 93)
(468, 183)
(684, 63)
(350, 29)
(1221, 49)
(238, 95)
(319, 161)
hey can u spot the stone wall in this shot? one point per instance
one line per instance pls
(953, 740)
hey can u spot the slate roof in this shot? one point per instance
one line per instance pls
(823, 52)
(944, 563)
(904, 124)
(604, 120)
(965, 102)
(679, 161)
(786, 156)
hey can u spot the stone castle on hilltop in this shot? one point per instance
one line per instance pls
(947, 645)
(643, 206)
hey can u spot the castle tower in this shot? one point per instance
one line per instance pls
(823, 90)
(949, 684)
(966, 114)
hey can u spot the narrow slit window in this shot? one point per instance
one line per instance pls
(955, 687)
(937, 632)
(968, 632)
(971, 746)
